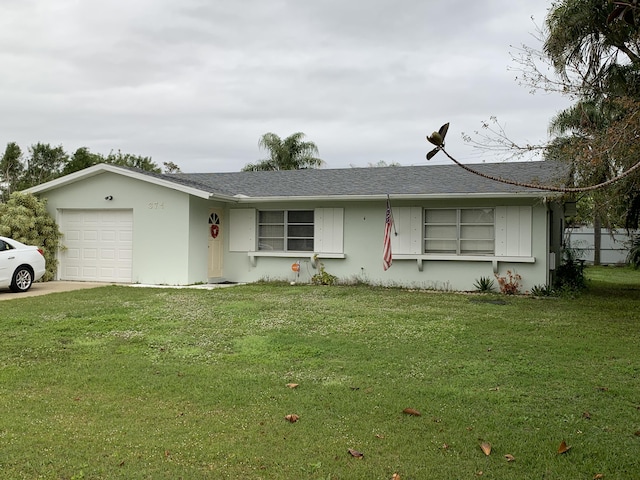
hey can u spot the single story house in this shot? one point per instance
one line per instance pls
(451, 227)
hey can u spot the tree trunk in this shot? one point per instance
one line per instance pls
(597, 239)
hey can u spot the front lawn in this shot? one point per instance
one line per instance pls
(134, 383)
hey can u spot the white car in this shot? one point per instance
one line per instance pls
(20, 265)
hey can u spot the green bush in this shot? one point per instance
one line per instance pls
(542, 291)
(570, 272)
(25, 218)
(484, 284)
(633, 258)
(323, 277)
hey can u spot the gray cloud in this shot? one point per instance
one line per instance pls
(197, 82)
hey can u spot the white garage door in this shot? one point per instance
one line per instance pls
(98, 245)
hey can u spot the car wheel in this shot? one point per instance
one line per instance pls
(22, 280)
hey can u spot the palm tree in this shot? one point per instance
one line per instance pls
(292, 153)
(594, 45)
(584, 36)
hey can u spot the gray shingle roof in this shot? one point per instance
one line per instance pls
(405, 181)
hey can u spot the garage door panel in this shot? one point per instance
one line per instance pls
(89, 236)
(98, 245)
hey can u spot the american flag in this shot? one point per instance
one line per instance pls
(386, 251)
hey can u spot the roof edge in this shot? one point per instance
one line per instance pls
(404, 196)
(109, 168)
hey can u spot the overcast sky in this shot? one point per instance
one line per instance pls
(197, 82)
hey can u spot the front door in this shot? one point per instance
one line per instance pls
(215, 244)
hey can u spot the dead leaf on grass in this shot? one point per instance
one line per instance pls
(586, 415)
(598, 476)
(411, 411)
(510, 458)
(355, 453)
(486, 448)
(292, 385)
(395, 477)
(563, 448)
(292, 417)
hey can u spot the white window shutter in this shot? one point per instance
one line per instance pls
(242, 230)
(408, 224)
(513, 231)
(328, 232)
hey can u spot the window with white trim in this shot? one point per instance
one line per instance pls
(286, 230)
(459, 231)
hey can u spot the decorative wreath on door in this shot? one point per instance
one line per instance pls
(214, 225)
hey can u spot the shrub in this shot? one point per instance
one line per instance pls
(25, 218)
(510, 283)
(633, 258)
(323, 277)
(542, 291)
(570, 272)
(484, 284)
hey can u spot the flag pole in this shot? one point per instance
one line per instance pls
(393, 222)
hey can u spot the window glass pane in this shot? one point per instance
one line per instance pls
(271, 231)
(476, 246)
(271, 217)
(300, 231)
(459, 231)
(481, 232)
(300, 244)
(300, 216)
(440, 216)
(442, 231)
(271, 244)
(476, 215)
(296, 234)
(440, 246)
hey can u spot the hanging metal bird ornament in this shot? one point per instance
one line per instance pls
(437, 139)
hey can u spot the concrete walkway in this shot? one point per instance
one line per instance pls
(44, 288)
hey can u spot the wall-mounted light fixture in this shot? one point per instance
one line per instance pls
(109, 197)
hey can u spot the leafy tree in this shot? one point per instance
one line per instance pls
(292, 153)
(11, 169)
(593, 48)
(585, 42)
(133, 161)
(43, 163)
(81, 159)
(170, 167)
(25, 218)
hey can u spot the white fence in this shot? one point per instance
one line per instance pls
(613, 244)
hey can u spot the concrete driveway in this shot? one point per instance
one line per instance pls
(44, 288)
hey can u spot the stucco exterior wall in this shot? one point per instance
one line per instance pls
(161, 223)
(363, 238)
(171, 238)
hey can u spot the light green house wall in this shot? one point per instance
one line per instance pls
(171, 236)
(166, 236)
(362, 253)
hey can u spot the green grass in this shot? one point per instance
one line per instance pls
(134, 383)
